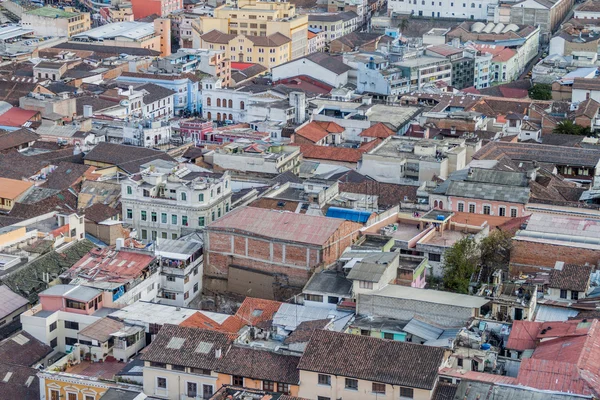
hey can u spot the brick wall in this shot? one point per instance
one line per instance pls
(292, 262)
(528, 257)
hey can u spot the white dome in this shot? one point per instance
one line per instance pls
(510, 28)
(488, 28)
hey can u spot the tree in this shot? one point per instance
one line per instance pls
(494, 253)
(460, 263)
(541, 91)
(568, 127)
(403, 25)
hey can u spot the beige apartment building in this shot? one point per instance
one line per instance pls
(268, 51)
(49, 21)
(260, 18)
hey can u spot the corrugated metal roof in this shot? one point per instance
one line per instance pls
(549, 313)
(423, 330)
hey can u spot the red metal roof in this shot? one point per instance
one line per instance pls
(16, 117)
(240, 66)
(523, 335)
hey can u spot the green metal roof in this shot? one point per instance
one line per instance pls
(51, 12)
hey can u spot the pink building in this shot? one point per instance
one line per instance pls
(483, 191)
(71, 298)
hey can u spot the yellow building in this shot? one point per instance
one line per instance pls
(120, 14)
(268, 51)
(50, 21)
(261, 18)
(10, 191)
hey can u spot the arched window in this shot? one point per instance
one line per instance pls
(208, 116)
(230, 117)
(183, 196)
(435, 204)
(224, 102)
(441, 204)
(208, 101)
(241, 105)
(218, 116)
(230, 103)
(218, 102)
(472, 5)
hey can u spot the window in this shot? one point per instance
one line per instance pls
(71, 396)
(283, 388)
(184, 220)
(71, 325)
(471, 208)
(574, 295)
(143, 215)
(186, 295)
(237, 380)
(69, 341)
(313, 297)
(163, 235)
(435, 257)
(378, 388)
(144, 234)
(195, 287)
(389, 336)
(174, 219)
(407, 393)
(183, 196)
(213, 216)
(192, 389)
(461, 207)
(200, 221)
(324, 380)
(158, 365)
(171, 278)
(153, 217)
(54, 343)
(365, 285)
(487, 210)
(513, 213)
(351, 384)
(502, 211)
(53, 326)
(178, 368)
(563, 294)
(459, 362)
(207, 391)
(129, 190)
(161, 383)
(269, 386)
(323, 398)
(201, 197)
(129, 213)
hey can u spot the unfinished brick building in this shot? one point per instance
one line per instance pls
(269, 253)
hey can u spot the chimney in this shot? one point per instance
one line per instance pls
(88, 111)
(120, 244)
(218, 353)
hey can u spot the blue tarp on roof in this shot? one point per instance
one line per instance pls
(350, 215)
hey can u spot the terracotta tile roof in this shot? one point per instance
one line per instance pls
(587, 108)
(100, 212)
(9, 140)
(66, 175)
(571, 277)
(215, 36)
(254, 311)
(342, 154)
(128, 158)
(372, 359)
(379, 130)
(23, 382)
(23, 349)
(190, 347)
(260, 365)
(230, 326)
(444, 391)
(62, 201)
(304, 331)
(317, 130)
(274, 40)
(299, 228)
